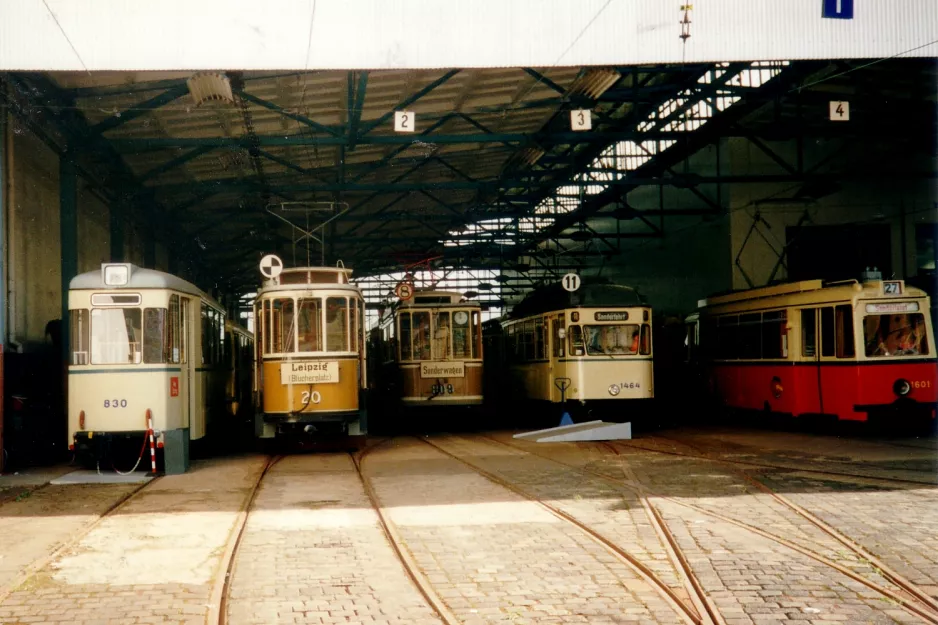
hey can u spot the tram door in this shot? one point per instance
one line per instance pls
(557, 378)
(187, 361)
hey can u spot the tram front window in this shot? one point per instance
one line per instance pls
(441, 328)
(337, 324)
(116, 335)
(462, 335)
(895, 335)
(308, 322)
(612, 339)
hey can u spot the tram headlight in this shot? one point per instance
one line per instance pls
(613, 389)
(901, 387)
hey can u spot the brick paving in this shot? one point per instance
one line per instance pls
(153, 562)
(313, 552)
(33, 523)
(495, 557)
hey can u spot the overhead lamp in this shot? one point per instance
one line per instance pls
(209, 87)
(594, 82)
(529, 155)
(485, 286)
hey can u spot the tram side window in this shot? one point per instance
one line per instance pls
(420, 328)
(308, 324)
(827, 331)
(115, 336)
(337, 323)
(462, 335)
(558, 331)
(79, 333)
(750, 336)
(809, 332)
(476, 334)
(441, 337)
(843, 320)
(646, 340)
(284, 326)
(353, 324)
(406, 353)
(155, 336)
(539, 338)
(774, 335)
(576, 341)
(727, 337)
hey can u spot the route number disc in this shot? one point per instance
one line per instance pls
(570, 282)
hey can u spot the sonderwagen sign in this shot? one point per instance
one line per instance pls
(323, 372)
(443, 370)
(619, 315)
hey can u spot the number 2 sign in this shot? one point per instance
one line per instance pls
(403, 121)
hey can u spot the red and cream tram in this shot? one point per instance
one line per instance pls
(846, 350)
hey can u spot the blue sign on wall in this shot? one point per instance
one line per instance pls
(838, 9)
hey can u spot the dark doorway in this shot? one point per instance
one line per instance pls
(838, 252)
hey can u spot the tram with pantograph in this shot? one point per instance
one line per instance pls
(589, 350)
(430, 348)
(310, 344)
(847, 351)
(145, 353)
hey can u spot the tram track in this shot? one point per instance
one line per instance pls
(912, 599)
(218, 604)
(67, 543)
(397, 544)
(699, 610)
(766, 465)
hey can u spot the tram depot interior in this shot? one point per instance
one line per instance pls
(580, 236)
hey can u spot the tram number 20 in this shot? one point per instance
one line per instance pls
(115, 403)
(308, 398)
(440, 389)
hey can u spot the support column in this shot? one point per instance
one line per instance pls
(68, 220)
(3, 255)
(118, 213)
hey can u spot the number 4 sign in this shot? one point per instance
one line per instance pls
(840, 111)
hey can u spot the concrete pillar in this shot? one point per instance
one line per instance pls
(68, 216)
(3, 255)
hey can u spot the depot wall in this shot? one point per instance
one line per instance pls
(33, 238)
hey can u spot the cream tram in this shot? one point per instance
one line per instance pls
(432, 351)
(849, 350)
(310, 342)
(590, 349)
(142, 343)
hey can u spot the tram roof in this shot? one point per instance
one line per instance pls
(593, 293)
(139, 278)
(807, 291)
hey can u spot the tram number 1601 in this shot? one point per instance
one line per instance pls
(440, 389)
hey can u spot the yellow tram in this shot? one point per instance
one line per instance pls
(310, 366)
(590, 350)
(142, 342)
(432, 351)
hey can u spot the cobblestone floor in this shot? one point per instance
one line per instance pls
(314, 552)
(152, 562)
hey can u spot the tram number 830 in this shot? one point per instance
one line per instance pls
(115, 403)
(440, 389)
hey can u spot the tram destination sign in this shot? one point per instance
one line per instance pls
(443, 370)
(611, 315)
(322, 372)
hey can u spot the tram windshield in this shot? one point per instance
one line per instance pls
(613, 339)
(895, 335)
(116, 336)
(120, 336)
(439, 335)
(309, 324)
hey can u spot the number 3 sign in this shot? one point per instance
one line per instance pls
(581, 119)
